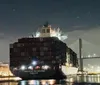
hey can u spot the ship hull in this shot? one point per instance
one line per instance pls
(69, 70)
(39, 74)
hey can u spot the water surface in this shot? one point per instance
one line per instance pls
(76, 80)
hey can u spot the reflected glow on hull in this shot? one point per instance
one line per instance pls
(69, 70)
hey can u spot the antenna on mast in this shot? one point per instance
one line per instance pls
(46, 24)
(32, 36)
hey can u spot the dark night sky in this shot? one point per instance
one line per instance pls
(77, 18)
(27, 15)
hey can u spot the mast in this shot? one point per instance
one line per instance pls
(46, 24)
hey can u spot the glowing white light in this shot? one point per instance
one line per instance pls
(15, 69)
(92, 67)
(37, 34)
(17, 78)
(51, 82)
(84, 68)
(45, 67)
(30, 67)
(70, 64)
(94, 54)
(43, 82)
(89, 55)
(98, 67)
(34, 63)
(33, 82)
(58, 33)
(23, 83)
(54, 33)
(71, 79)
(23, 67)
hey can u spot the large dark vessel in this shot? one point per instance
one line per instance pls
(40, 56)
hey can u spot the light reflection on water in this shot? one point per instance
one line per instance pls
(44, 82)
(76, 80)
(88, 78)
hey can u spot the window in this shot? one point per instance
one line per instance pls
(53, 62)
(34, 49)
(18, 44)
(43, 30)
(48, 30)
(45, 48)
(11, 45)
(15, 49)
(41, 53)
(45, 44)
(41, 48)
(22, 53)
(57, 57)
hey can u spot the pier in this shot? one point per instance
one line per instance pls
(6, 75)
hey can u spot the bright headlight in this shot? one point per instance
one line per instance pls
(23, 67)
(34, 63)
(45, 67)
(30, 67)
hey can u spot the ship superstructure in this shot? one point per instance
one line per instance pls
(47, 31)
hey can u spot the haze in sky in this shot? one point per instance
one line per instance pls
(76, 18)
